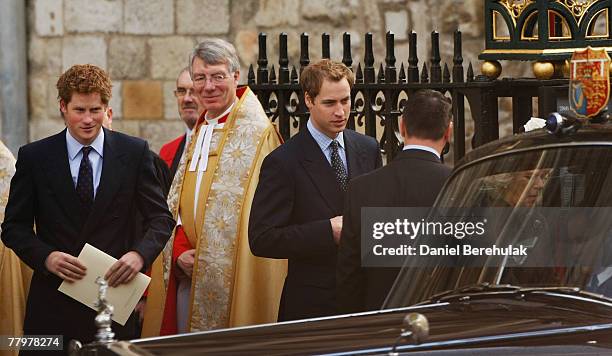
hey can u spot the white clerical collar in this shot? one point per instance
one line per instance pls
(423, 148)
(216, 119)
(199, 160)
(74, 146)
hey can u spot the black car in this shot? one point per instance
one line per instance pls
(509, 307)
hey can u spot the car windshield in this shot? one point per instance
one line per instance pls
(564, 179)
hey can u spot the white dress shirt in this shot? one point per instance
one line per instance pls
(324, 143)
(95, 158)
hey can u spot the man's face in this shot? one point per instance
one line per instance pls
(188, 103)
(330, 109)
(214, 85)
(526, 187)
(83, 116)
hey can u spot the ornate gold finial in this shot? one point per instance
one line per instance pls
(543, 70)
(491, 69)
(515, 7)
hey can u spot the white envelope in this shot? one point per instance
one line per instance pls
(123, 298)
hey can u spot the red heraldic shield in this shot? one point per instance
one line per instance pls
(589, 89)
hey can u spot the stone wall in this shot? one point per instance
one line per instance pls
(144, 43)
(0, 112)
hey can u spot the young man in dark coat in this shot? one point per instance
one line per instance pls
(413, 179)
(297, 208)
(81, 186)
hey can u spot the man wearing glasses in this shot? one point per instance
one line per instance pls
(189, 109)
(211, 199)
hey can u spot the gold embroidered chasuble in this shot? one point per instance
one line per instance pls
(230, 287)
(14, 275)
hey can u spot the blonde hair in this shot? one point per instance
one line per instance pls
(313, 75)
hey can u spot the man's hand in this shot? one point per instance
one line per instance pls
(140, 308)
(65, 266)
(125, 269)
(336, 223)
(185, 262)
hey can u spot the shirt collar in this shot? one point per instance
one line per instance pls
(74, 146)
(322, 139)
(215, 120)
(423, 148)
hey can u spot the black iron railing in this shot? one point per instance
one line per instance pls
(379, 95)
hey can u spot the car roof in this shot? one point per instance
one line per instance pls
(589, 134)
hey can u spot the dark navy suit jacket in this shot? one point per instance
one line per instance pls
(296, 196)
(414, 178)
(44, 214)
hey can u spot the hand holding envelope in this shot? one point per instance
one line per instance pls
(123, 297)
(65, 266)
(125, 269)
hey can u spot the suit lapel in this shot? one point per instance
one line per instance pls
(58, 173)
(319, 170)
(177, 156)
(354, 154)
(113, 171)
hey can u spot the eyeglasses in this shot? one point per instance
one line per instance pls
(215, 79)
(181, 92)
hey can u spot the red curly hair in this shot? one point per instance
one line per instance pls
(84, 79)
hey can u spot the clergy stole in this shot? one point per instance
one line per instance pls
(230, 286)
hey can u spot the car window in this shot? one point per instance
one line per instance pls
(574, 248)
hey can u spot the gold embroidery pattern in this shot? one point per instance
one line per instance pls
(173, 201)
(7, 170)
(215, 267)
